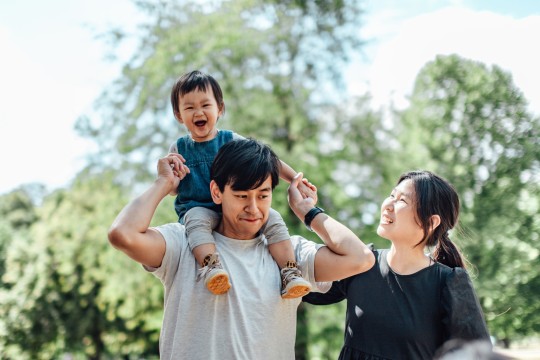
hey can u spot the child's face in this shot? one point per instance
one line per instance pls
(199, 112)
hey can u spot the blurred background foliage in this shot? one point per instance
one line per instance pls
(65, 290)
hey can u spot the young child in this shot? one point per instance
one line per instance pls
(197, 102)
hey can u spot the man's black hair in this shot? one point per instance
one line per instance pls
(245, 164)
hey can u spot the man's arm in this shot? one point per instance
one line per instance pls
(129, 231)
(345, 254)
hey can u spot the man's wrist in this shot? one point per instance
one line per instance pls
(308, 219)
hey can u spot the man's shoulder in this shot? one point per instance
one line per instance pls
(172, 231)
(300, 242)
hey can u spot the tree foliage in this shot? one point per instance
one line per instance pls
(470, 123)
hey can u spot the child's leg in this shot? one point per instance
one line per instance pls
(281, 249)
(282, 252)
(199, 223)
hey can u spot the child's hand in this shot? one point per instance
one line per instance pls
(178, 166)
(307, 189)
(173, 166)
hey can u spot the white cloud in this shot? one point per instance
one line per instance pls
(482, 36)
(39, 106)
(52, 69)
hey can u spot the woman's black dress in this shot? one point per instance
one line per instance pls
(392, 316)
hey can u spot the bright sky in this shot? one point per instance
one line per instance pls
(52, 68)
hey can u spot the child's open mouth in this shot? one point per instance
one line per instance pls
(200, 123)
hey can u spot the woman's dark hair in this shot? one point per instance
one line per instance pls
(191, 81)
(245, 164)
(436, 196)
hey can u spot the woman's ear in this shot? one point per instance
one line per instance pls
(435, 220)
(215, 192)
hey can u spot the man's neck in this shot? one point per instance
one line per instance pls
(226, 231)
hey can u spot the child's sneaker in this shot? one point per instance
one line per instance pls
(215, 277)
(293, 284)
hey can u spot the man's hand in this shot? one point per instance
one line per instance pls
(299, 202)
(307, 189)
(173, 169)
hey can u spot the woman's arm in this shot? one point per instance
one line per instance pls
(463, 317)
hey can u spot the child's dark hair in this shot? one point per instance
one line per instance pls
(436, 196)
(245, 164)
(191, 81)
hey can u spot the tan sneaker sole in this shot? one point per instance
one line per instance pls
(296, 292)
(218, 284)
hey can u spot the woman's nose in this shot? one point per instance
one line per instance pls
(388, 205)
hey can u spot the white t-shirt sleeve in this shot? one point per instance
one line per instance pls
(173, 148)
(236, 136)
(174, 235)
(305, 251)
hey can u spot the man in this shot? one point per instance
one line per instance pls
(251, 321)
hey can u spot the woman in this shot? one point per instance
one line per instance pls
(410, 302)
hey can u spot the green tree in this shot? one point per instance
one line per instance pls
(69, 290)
(469, 123)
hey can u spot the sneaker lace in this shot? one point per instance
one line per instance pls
(290, 273)
(213, 263)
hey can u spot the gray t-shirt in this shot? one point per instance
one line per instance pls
(250, 321)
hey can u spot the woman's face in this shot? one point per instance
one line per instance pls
(398, 221)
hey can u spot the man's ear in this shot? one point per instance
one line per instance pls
(435, 221)
(217, 196)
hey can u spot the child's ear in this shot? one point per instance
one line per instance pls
(221, 109)
(217, 196)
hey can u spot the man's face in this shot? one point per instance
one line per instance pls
(244, 211)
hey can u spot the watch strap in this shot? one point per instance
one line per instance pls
(311, 215)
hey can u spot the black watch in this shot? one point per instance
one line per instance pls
(311, 215)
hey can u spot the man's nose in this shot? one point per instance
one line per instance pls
(251, 206)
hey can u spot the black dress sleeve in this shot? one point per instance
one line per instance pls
(334, 295)
(462, 317)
